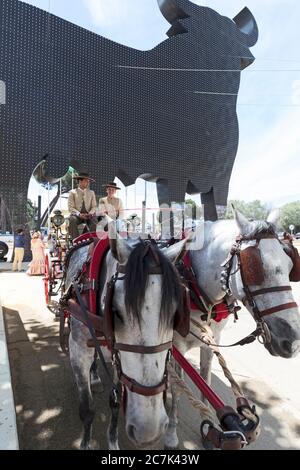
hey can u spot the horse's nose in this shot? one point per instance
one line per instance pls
(142, 434)
(290, 348)
(131, 431)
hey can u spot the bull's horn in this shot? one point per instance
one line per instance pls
(171, 11)
(246, 23)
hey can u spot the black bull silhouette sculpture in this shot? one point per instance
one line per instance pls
(167, 114)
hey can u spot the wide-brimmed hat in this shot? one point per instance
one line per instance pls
(111, 184)
(82, 176)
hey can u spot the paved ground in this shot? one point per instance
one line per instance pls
(46, 399)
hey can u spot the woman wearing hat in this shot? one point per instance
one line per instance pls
(82, 205)
(37, 265)
(111, 205)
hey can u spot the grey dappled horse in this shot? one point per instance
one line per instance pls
(145, 304)
(217, 239)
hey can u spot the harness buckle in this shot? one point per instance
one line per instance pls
(227, 438)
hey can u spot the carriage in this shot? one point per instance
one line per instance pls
(58, 244)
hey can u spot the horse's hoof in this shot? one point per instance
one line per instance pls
(83, 447)
(97, 385)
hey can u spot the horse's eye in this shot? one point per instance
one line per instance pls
(118, 315)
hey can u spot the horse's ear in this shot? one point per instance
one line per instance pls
(177, 251)
(241, 220)
(119, 247)
(273, 217)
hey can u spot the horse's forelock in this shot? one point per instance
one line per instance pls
(138, 266)
(259, 227)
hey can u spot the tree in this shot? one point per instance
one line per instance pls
(31, 211)
(5, 224)
(194, 211)
(290, 215)
(252, 210)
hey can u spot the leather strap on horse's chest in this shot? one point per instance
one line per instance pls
(199, 300)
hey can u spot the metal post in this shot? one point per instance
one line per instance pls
(144, 219)
(48, 208)
(60, 193)
(39, 212)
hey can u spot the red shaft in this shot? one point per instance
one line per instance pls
(200, 383)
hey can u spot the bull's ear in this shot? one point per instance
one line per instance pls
(171, 11)
(246, 23)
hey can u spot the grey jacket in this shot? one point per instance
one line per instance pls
(76, 198)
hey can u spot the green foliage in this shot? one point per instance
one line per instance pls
(252, 210)
(192, 209)
(31, 212)
(290, 215)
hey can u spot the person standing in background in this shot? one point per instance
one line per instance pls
(19, 245)
(37, 265)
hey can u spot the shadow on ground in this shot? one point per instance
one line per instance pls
(47, 404)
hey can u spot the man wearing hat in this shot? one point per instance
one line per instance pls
(111, 205)
(82, 206)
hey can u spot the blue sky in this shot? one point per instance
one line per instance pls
(267, 163)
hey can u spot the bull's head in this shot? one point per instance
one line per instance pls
(177, 10)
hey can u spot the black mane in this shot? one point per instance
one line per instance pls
(137, 269)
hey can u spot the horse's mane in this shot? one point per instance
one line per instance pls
(138, 266)
(257, 228)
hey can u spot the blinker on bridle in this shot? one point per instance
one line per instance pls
(251, 269)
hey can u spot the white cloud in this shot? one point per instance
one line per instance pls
(107, 12)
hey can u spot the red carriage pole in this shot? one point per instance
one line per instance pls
(200, 383)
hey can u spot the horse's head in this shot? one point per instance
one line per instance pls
(260, 278)
(147, 295)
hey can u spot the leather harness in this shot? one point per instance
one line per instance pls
(257, 276)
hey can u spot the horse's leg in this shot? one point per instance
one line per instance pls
(171, 438)
(81, 358)
(206, 358)
(94, 375)
(112, 431)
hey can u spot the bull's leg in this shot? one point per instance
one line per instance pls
(209, 205)
(171, 438)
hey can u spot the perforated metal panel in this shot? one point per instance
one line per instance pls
(169, 112)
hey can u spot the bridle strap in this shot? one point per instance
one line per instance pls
(144, 390)
(278, 308)
(270, 289)
(121, 268)
(136, 348)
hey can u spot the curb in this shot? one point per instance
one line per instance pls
(8, 424)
